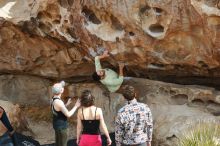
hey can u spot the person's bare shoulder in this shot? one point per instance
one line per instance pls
(79, 112)
(99, 111)
(58, 104)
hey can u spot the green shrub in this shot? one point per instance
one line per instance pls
(202, 134)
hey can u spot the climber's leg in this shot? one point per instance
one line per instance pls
(7, 124)
(5, 120)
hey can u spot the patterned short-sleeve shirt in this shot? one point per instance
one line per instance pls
(134, 124)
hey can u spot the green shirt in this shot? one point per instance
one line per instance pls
(112, 80)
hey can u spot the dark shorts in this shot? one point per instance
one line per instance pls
(61, 137)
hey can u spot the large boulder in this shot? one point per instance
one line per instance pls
(175, 107)
(25, 90)
(158, 39)
(172, 40)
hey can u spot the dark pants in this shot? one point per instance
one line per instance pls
(61, 137)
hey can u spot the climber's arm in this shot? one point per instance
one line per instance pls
(121, 67)
(98, 58)
(98, 65)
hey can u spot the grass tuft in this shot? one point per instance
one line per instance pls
(202, 134)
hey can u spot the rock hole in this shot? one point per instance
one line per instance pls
(198, 102)
(56, 21)
(213, 103)
(158, 11)
(163, 91)
(40, 15)
(131, 33)
(178, 66)
(94, 19)
(171, 137)
(108, 32)
(156, 28)
(172, 92)
(117, 39)
(216, 113)
(90, 16)
(144, 9)
(179, 99)
(65, 21)
(203, 64)
(44, 27)
(215, 107)
(71, 31)
(158, 65)
(48, 15)
(116, 24)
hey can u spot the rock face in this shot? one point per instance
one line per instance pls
(175, 107)
(42, 41)
(156, 39)
(24, 90)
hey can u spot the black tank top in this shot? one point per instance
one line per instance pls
(59, 119)
(90, 126)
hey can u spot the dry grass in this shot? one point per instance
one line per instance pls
(202, 135)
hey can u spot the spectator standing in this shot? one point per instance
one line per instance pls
(134, 124)
(61, 113)
(89, 122)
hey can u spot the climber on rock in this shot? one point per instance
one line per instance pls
(106, 76)
(5, 121)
